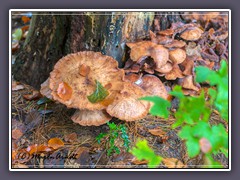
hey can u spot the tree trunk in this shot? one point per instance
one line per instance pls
(53, 36)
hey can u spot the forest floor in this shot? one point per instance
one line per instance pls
(40, 123)
(36, 120)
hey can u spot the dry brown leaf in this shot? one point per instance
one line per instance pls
(35, 95)
(177, 56)
(139, 162)
(71, 137)
(157, 132)
(16, 134)
(36, 149)
(55, 143)
(205, 145)
(173, 163)
(192, 34)
(16, 86)
(64, 91)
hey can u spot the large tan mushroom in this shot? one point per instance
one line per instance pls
(86, 117)
(127, 105)
(75, 77)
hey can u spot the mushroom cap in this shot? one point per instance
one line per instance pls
(127, 105)
(174, 73)
(86, 117)
(175, 44)
(188, 83)
(192, 34)
(153, 86)
(159, 53)
(177, 56)
(165, 68)
(74, 77)
(45, 90)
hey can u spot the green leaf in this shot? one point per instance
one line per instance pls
(193, 147)
(99, 94)
(160, 107)
(17, 35)
(100, 137)
(143, 152)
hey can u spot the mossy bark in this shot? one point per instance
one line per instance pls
(52, 36)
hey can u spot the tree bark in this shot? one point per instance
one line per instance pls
(52, 36)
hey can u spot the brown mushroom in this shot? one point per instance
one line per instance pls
(175, 44)
(174, 73)
(147, 48)
(165, 68)
(153, 86)
(177, 56)
(188, 83)
(188, 65)
(192, 34)
(45, 90)
(74, 78)
(86, 117)
(127, 105)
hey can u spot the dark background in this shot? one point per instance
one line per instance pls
(122, 4)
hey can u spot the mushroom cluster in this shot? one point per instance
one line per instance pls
(93, 84)
(172, 54)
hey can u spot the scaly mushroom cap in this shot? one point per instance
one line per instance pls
(192, 34)
(45, 90)
(159, 53)
(74, 78)
(127, 105)
(86, 117)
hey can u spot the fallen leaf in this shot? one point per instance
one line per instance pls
(157, 132)
(25, 28)
(71, 137)
(16, 134)
(64, 91)
(25, 19)
(139, 162)
(173, 163)
(36, 149)
(16, 86)
(35, 95)
(55, 143)
(99, 94)
(15, 46)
